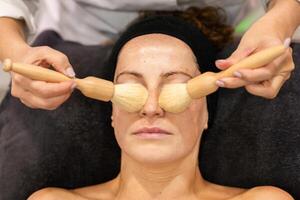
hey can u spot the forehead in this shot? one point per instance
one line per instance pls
(156, 50)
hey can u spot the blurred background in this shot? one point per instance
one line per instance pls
(255, 10)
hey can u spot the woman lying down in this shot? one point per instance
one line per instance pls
(159, 158)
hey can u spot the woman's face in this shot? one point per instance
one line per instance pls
(153, 135)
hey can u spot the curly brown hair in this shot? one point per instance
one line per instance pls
(210, 20)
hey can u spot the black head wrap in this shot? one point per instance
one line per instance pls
(204, 51)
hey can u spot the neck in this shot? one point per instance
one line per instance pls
(174, 180)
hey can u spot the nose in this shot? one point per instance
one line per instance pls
(151, 108)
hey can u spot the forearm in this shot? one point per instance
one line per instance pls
(12, 39)
(287, 13)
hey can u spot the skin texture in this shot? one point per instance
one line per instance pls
(164, 167)
(273, 28)
(34, 94)
(279, 23)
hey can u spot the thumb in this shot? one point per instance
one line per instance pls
(235, 57)
(47, 56)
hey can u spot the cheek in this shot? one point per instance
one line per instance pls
(122, 121)
(194, 119)
(119, 119)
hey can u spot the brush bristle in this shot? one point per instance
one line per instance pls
(130, 96)
(174, 98)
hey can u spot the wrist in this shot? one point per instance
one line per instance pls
(270, 3)
(20, 50)
(12, 41)
(286, 13)
(16, 51)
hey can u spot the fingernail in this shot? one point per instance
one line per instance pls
(70, 72)
(287, 42)
(73, 86)
(220, 83)
(220, 61)
(237, 74)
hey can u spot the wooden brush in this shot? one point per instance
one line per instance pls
(175, 98)
(131, 97)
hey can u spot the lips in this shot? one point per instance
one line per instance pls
(151, 132)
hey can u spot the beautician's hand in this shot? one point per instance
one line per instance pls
(34, 94)
(40, 94)
(270, 30)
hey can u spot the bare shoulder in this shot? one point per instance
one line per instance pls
(104, 191)
(266, 192)
(54, 194)
(220, 192)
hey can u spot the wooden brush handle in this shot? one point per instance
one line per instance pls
(96, 88)
(256, 60)
(205, 84)
(92, 87)
(34, 72)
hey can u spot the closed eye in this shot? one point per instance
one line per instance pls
(128, 76)
(176, 73)
(176, 77)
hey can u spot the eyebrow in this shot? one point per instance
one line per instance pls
(176, 72)
(138, 75)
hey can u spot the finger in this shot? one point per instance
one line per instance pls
(41, 88)
(16, 91)
(256, 75)
(42, 63)
(223, 64)
(287, 42)
(266, 72)
(49, 90)
(56, 59)
(267, 89)
(47, 104)
(235, 57)
(231, 82)
(27, 104)
(15, 88)
(242, 52)
(288, 64)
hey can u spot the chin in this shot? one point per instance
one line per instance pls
(154, 154)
